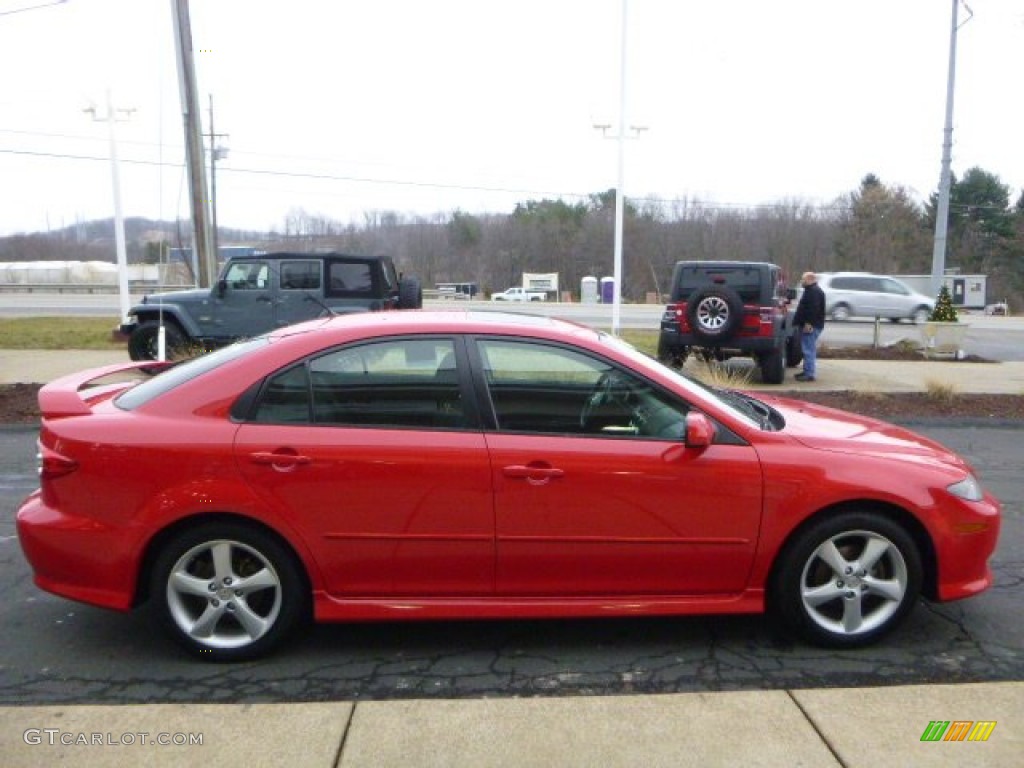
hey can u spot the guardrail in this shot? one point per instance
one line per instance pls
(134, 286)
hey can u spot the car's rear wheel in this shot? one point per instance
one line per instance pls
(848, 579)
(228, 591)
(794, 349)
(143, 344)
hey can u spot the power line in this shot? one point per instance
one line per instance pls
(697, 204)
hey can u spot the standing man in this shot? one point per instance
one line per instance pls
(809, 322)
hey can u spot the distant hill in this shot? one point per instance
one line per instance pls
(94, 241)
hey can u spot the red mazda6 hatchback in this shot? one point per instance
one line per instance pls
(427, 465)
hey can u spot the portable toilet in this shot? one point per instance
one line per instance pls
(607, 290)
(588, 290)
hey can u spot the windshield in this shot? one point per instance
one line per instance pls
(185, 371)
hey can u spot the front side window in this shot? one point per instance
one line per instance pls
(543, 388)
(403, 383)
(248, 275)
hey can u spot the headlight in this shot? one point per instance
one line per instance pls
(969, 488)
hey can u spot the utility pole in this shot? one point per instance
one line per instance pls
(110, 117)
(203, 252)
(216, 153)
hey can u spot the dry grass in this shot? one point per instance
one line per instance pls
(941, 392)
(722, 375)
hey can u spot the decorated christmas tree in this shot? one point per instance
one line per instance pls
(944, 311)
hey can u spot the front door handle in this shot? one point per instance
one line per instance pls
(281, 461)
(536, 473)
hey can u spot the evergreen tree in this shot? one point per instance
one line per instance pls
(944, 311)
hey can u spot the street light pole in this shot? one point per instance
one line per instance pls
(619, 197)
(620, 200)
(110, 118)
(942, 213)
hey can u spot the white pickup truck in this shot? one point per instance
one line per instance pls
(518, 294)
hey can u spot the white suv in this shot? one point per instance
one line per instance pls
(860, 294)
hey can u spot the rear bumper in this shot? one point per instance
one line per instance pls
(671, 341)
(100, 573)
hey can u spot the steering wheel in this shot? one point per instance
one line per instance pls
(602, 394)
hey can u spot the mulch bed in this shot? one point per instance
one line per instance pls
(18, 404)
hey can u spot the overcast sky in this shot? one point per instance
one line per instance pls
(337, 107)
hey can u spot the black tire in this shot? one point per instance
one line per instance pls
(250, 608)
(142, 344)
(671, 355)
(846, 603)
(714, 313)
(773, 367)
(794, 350)
(410, 293)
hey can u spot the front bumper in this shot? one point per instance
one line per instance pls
(965, 542)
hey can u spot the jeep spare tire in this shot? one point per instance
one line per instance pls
(714, 313)
(410, 293)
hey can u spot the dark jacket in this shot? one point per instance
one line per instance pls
(811, 308)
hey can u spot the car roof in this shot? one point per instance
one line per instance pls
(441, 321)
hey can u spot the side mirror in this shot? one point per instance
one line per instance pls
(700, 431)
(790, 294)
(222, 287)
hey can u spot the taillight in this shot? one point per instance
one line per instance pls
(52, 464)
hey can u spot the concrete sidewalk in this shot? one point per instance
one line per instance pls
(39, 366)
(846, 727)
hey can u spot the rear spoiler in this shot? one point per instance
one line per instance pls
(62, 397)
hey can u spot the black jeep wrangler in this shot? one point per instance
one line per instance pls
(258, 293)
(723, 309)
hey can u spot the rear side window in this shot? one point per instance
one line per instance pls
(349, 278)
(405, 383)
(300, 275)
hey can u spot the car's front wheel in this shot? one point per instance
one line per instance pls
(848, 579)
(143, 344)
(228, 591)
